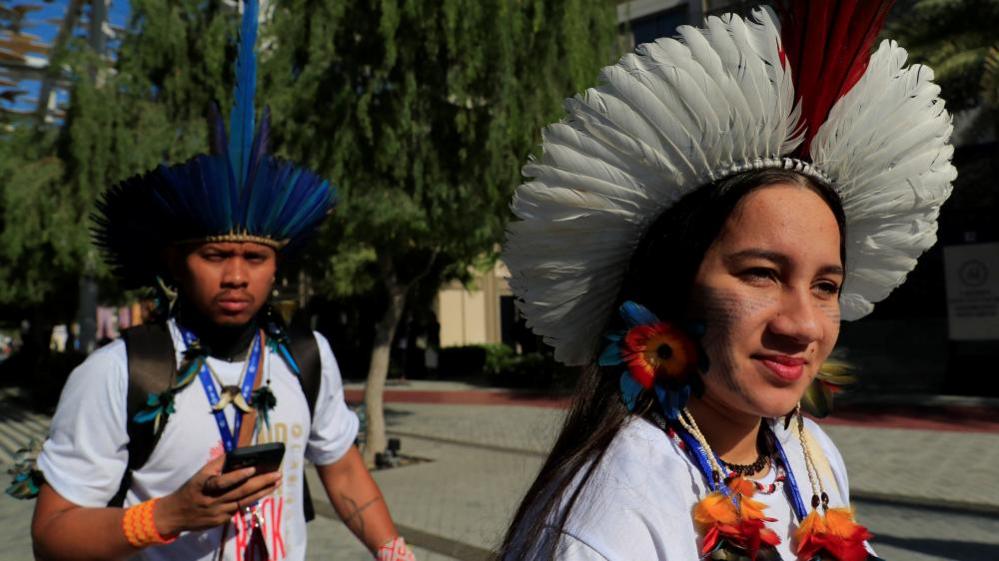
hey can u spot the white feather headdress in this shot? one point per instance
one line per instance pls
(681, 113)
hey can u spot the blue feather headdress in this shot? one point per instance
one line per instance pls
(238, 193)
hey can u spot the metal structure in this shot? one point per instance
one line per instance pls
(24, 57)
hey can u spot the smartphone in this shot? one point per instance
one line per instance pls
(265, 457)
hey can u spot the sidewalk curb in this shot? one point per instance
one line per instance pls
(863, 495)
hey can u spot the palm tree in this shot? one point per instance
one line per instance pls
(959, 39)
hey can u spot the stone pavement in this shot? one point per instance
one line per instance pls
(485, 456)
(923, 467)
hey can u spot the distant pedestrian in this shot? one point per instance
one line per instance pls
(132, 472)
(692, 234)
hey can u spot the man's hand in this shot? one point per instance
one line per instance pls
(210, 498)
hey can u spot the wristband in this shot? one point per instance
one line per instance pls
(395, 550)
(139, 526)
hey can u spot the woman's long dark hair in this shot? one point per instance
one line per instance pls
(659, 277)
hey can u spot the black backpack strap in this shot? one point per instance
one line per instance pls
(305, 351)
(152, 364)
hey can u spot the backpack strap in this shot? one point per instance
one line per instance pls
(305, 351)
(152, 365)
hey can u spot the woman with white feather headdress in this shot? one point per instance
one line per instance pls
(693, 233)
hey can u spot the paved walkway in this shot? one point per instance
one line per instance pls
(484, 457)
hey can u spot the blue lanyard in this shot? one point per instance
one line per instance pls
(700, 458)
(796, 502)
(228, 436)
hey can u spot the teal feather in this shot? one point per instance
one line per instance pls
(193, 367)
(146, 415)
(286, 355)
(611, 356)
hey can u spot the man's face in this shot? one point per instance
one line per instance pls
(227, 282)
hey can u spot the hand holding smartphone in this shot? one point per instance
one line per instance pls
(265, 457)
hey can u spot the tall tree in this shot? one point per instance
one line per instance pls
(126, 114)
(422, 112)
(959, 40)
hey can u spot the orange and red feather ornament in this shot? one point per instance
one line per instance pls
(835, 536)
(734, 524)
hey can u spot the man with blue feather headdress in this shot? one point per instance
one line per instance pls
(135, 463)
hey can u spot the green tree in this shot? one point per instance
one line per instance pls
(957, 39)
(422, 112)
(125, 116)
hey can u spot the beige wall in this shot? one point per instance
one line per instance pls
(472, 316)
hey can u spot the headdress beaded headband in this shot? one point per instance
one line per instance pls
(679, 114)
(237, 193)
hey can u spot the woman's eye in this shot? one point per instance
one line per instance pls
(759, 274)
(828, 288)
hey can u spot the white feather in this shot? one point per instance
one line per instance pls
(665, 121)
(886, 147)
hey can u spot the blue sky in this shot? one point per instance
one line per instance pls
(46, 26)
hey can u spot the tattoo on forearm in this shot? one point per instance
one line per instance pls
(354, 520)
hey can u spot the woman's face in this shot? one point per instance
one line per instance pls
(768, 292)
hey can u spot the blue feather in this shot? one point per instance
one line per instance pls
(611, 356)
(662, 395)
(216, 125)
(629, 390)
(636, 314)
(241, 121)
(260, 142)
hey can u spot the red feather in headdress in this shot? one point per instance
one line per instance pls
(827, 44)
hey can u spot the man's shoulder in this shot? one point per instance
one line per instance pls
(112, 354)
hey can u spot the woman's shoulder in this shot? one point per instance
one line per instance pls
(640, 491)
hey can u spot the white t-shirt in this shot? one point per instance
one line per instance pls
(639, 501)
(85, 455)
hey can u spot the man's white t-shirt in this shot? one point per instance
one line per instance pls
(86, 453)
(639, 501)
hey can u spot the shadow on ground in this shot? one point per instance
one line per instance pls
(947, 549)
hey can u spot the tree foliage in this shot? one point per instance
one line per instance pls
(126, 115)
(422, 112)
(954, 38)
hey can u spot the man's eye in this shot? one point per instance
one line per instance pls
(215, 257)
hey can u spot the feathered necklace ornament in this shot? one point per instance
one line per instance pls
(733, 525)
(827, 534)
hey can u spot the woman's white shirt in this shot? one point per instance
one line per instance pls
(639, 501)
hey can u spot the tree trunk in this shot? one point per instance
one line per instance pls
(375, 440)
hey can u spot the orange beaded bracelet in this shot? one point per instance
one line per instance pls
(139, 526)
